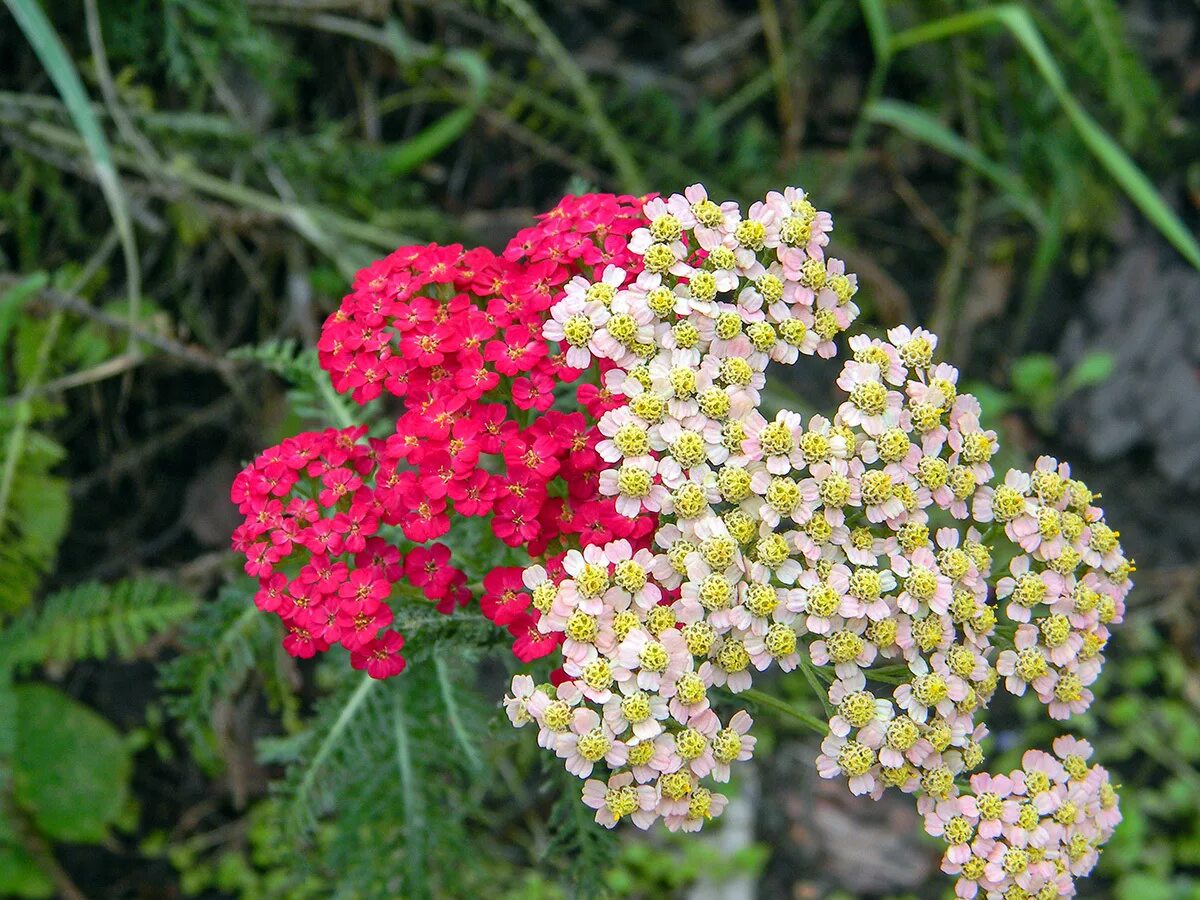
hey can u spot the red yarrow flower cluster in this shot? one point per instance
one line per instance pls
(310, 537)
(456, 336)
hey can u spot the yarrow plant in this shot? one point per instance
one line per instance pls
(680, 541)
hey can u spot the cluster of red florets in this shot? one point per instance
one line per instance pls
(456, 336)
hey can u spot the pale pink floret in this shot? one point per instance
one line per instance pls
(580, 653)
(761, 658)
(777, 464)
(828, 767)
(573, 563)
(855, 374)
(739, 723)
(628, 505)
(1054, 587)
(534, 575)
(595, 794)
(902, 334)
(584, 722)
(660, 760)
(564, 311)
(851, 671)
(895, 372)
(1002, 786)
(1068, 745)
(536, 706)
(612, 422)
(736, 682)
(643, 730)
(684, 712)
(629, 656)
(873, 733)
(903, 566)
(1060, 710)
(681, 821)
(935, 825)
(621, 551)
(707, 238)
(517, 703)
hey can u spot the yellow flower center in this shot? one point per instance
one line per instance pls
(593, 745)
(578, 330)
(665, 228)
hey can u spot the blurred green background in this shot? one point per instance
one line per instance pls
(186, 188)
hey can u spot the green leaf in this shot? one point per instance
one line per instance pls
(11, 302)
(21, 876)
(875, 17)
(1095, 368)
(93, 621)
(1034, 375)
(71, 767)
(436, 137)
(33, 516)
(1145, 887)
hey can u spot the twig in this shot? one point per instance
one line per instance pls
(108, 87)
(146, 450)
(916, 204)
(110, 368)
(43, 854)
(64, 301)
(784, 101)
(237, 194)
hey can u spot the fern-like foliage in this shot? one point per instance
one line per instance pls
(380, 763)
(576, 836)
(310, 396)
(227, 648)
(35, 520)
(94, 621)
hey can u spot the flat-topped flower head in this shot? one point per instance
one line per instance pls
(846, 545)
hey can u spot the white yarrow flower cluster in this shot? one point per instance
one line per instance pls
(847, 545)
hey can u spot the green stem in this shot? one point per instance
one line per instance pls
(806, 719)
(819, 688)
(452, 712)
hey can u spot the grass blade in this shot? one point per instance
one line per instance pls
(1116, 161)
(921, 126)
(627, 168)
(58, 65)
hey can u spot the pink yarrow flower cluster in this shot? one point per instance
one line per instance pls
(837, 544)
(1031, 832)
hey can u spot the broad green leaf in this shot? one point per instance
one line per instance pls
(70, 768)
(1146, 887)
(1034, 375)
(20, 876)
(1093, 369)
